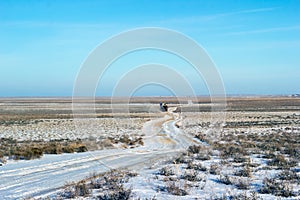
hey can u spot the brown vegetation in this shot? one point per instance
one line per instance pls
(109, 185)
(30, 150)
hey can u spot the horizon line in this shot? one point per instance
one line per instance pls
(158, 96)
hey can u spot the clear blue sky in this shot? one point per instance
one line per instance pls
(254, 44)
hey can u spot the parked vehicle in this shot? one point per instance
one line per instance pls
(163, 107)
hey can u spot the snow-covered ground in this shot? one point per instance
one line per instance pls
(58, 129)
(195, 175)
(209, 175)
(165, 139)
(38, 178)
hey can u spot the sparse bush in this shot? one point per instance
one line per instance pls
(73, 190)
(54, 148)
(278, 160)
(81, 189)
(35, 149)
(195, 149)
(202, 137)
(128, 140)
(241, 159)
(109, 185)
(172, 188)
(230, 150)
(74, 147)
(215, 169)
(120, 193)
(293, 150)
(203, 156)
(245, 172)
(277, 188)
(201, 152)
(67, 193)
(96, 183)
(281, 162)
(254, 196)
(166, 171)
(196, 166)
(288, 175)
(242, 184)
(225, 179)
(182, 159)
(191, 175)
(25, 152)
(241, 196)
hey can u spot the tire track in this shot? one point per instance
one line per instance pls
(38, 178)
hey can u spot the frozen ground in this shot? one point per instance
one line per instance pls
(259, 140)
(44, 176)
(203, 175)
(59, 129)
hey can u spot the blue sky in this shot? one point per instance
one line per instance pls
(254, 44)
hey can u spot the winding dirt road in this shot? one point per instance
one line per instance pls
(42, 177)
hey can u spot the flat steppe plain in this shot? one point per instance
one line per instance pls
(251, 152)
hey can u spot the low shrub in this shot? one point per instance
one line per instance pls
(215, 169)
(203, 156)
(241, 196)
(281, 162)
(173, 189)
(245, 172)
(241, 159)
(194, 149)
(277, 188)
(242, 183)
(293, 150)
(166, 171)
(35, 149)
(182, 159)
(196, 166)
(191, 175)
(288, 175)
(82, 189)
(120, 193)
(230, 150)
(109, 186)
(202, 137)
(225, 179)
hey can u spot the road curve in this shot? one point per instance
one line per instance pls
(42, 177)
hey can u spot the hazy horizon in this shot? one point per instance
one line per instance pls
(162, 96)
(254, 44)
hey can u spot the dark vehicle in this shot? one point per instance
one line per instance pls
(163, 107)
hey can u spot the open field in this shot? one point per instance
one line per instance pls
(182, 154)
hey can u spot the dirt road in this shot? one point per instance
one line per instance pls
(42, 177)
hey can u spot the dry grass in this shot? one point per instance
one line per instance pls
(127, 140)
(175, 189)
(266, 129)
(30, 150)
(249, 145)
(246, 171)
(276, 187)
(109, 185)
